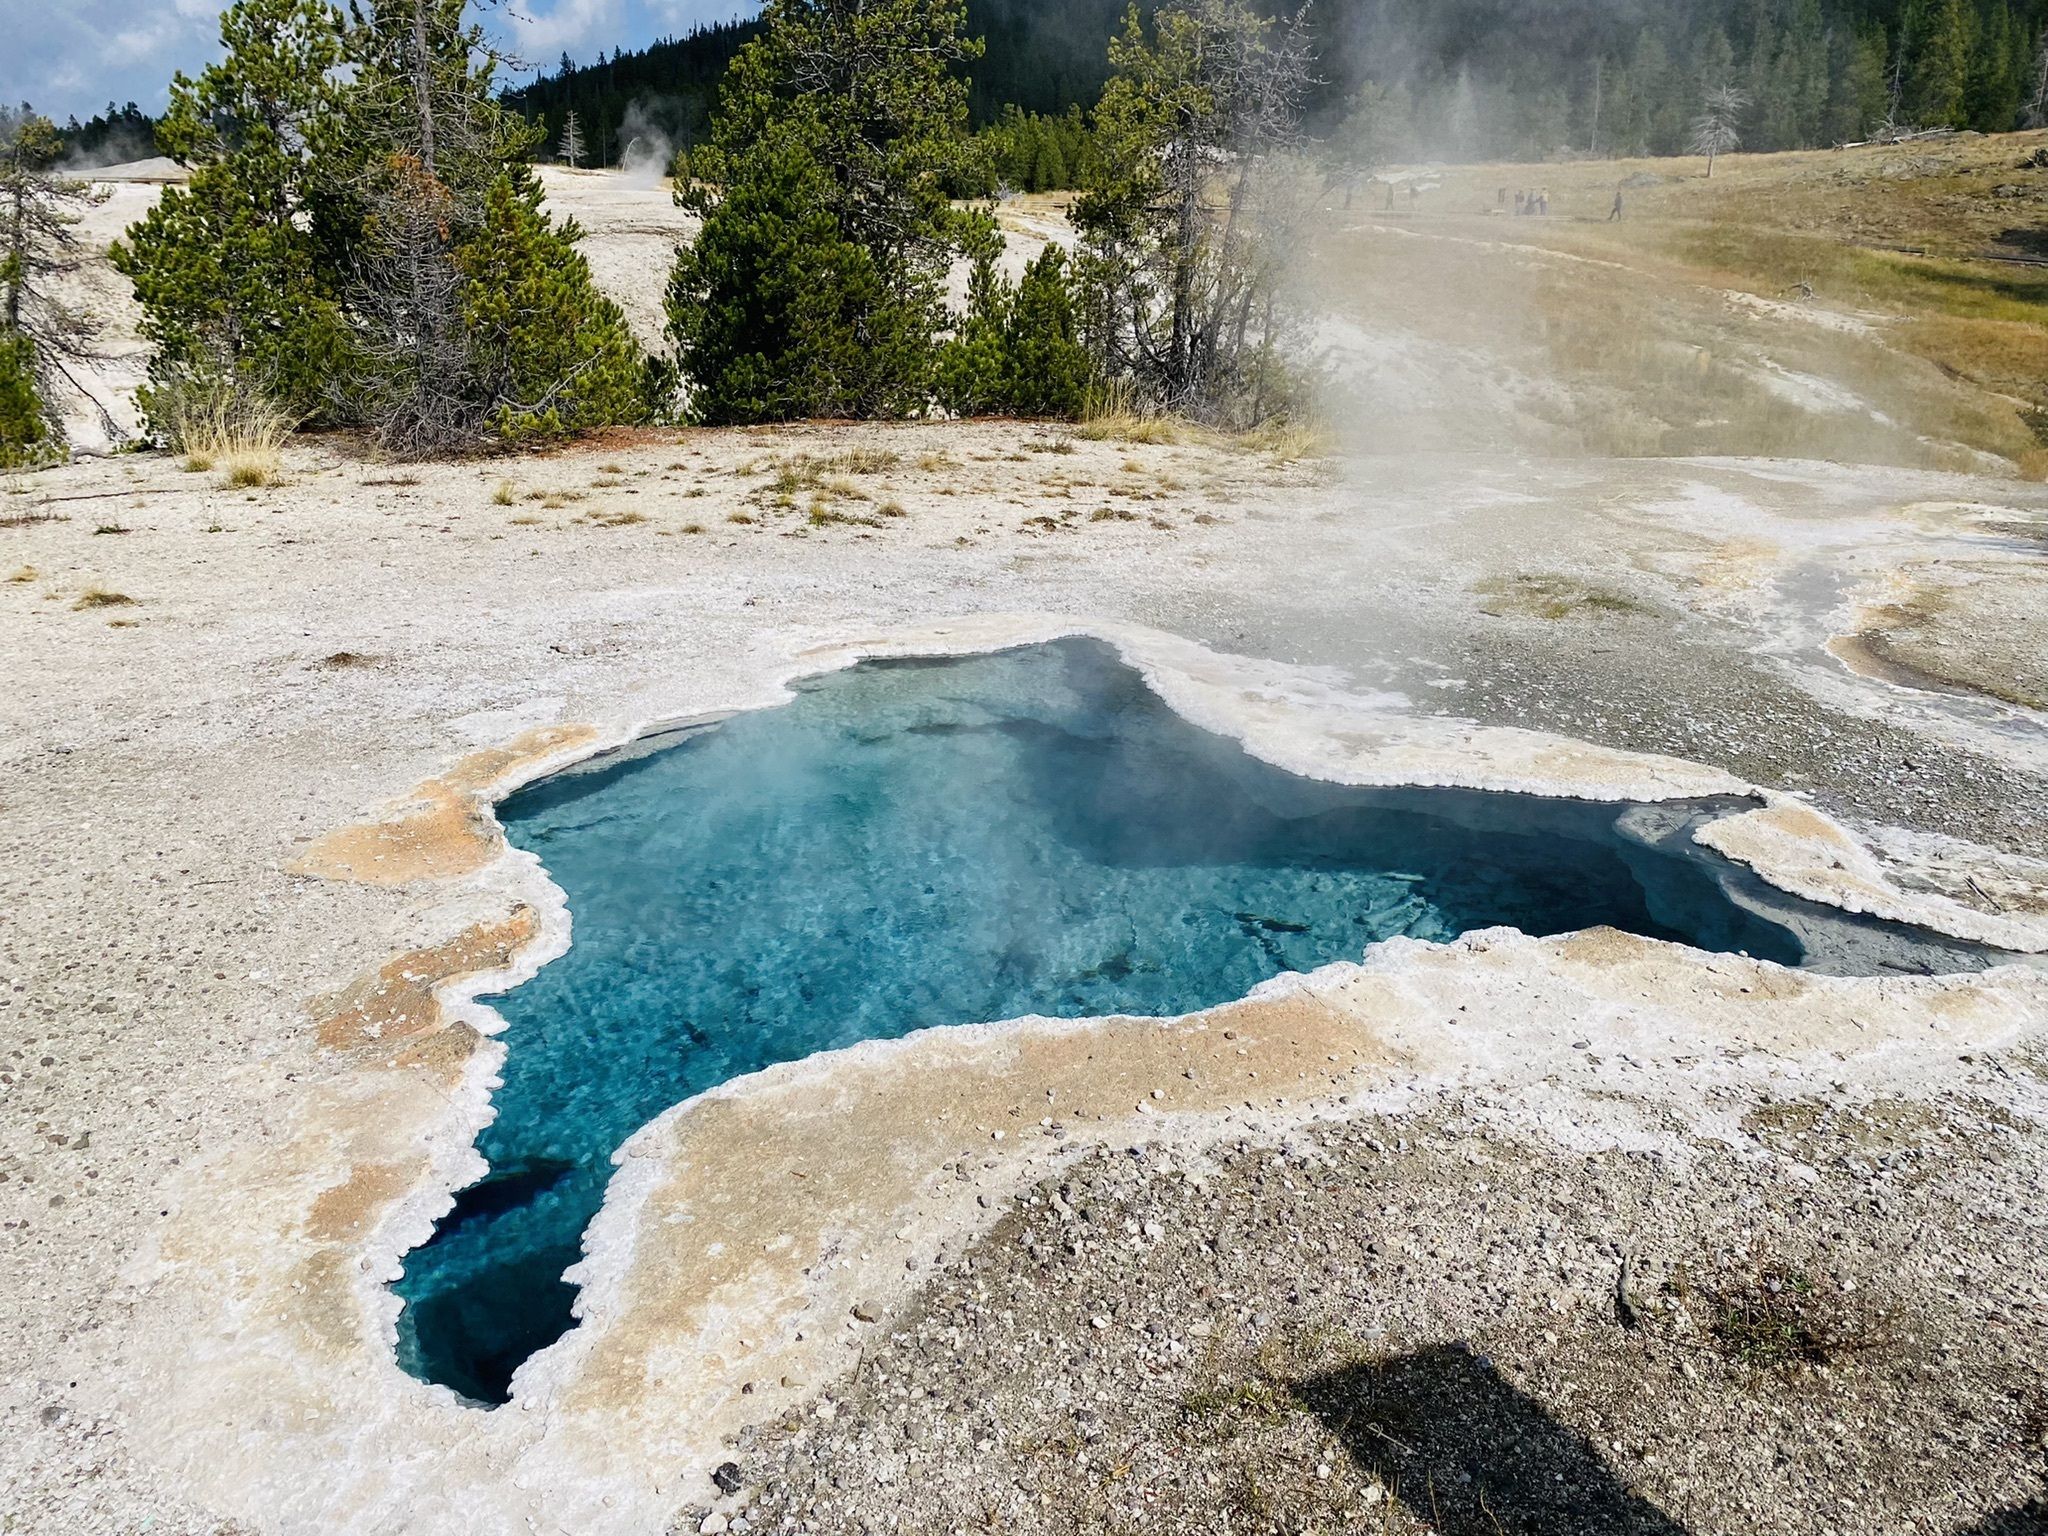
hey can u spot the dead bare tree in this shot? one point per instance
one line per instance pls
(1196, 127)
(427, 142)
(2035, 113)
(39, 251)
(416, 373)
(1717, 130)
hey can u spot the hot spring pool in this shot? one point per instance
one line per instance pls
(912, 843)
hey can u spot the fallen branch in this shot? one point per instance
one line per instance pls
(169, 490)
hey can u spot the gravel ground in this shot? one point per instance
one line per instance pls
(1421, 1324)
(293, 656)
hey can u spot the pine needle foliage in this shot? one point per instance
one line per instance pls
(361, 242)
(1017, 352)
(1190, 209)
(778, 316)
(551, 355)
(816, 285)
(237, 271)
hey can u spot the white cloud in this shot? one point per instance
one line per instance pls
(76, 56)
(568, 26)
(679, 16)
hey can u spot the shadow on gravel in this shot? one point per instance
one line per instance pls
(2028, 1519)
(1473, 1456)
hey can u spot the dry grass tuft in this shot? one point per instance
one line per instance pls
(1110, 414)
(1774, 1316)
(1129, 427)
(100, 597)
(1287, 439)
(823, 514)
(866, 461)
(1550, 596)
(505, 495)
(224, 424)
(252, 466)
(23, 573)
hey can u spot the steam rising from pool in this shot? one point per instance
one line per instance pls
(955, 841)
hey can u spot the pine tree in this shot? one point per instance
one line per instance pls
(549, 355)
(1370, 136)
(1991, 95)
(1799, 78)
(1655, 128)
(971, 376)
(1046, 367)
(2034, 105)
(1856, 90)
(359, 242)
(572, 141)
(777, 315)
(40, 334)
(237, 271)
(869, 97)
(1017, 351)
(429, 146)
(1936, 54)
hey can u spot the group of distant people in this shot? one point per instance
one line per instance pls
(1538, 203)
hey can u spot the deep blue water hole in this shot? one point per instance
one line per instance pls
(954, 841)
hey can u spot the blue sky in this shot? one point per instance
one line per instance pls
(70, 56)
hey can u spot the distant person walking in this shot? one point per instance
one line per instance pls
(1521, 202)
(1414, 196)
(1614, 213)
(1543, 202)
(1390, 197)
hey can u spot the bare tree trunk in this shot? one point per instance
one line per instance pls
(17, 257)
(1593, 139)
(1187, 256)
(2037, 103)
(423, 86)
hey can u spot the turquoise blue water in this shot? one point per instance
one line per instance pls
(941, 842)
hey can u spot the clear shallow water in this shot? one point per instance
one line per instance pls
(943, 842)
